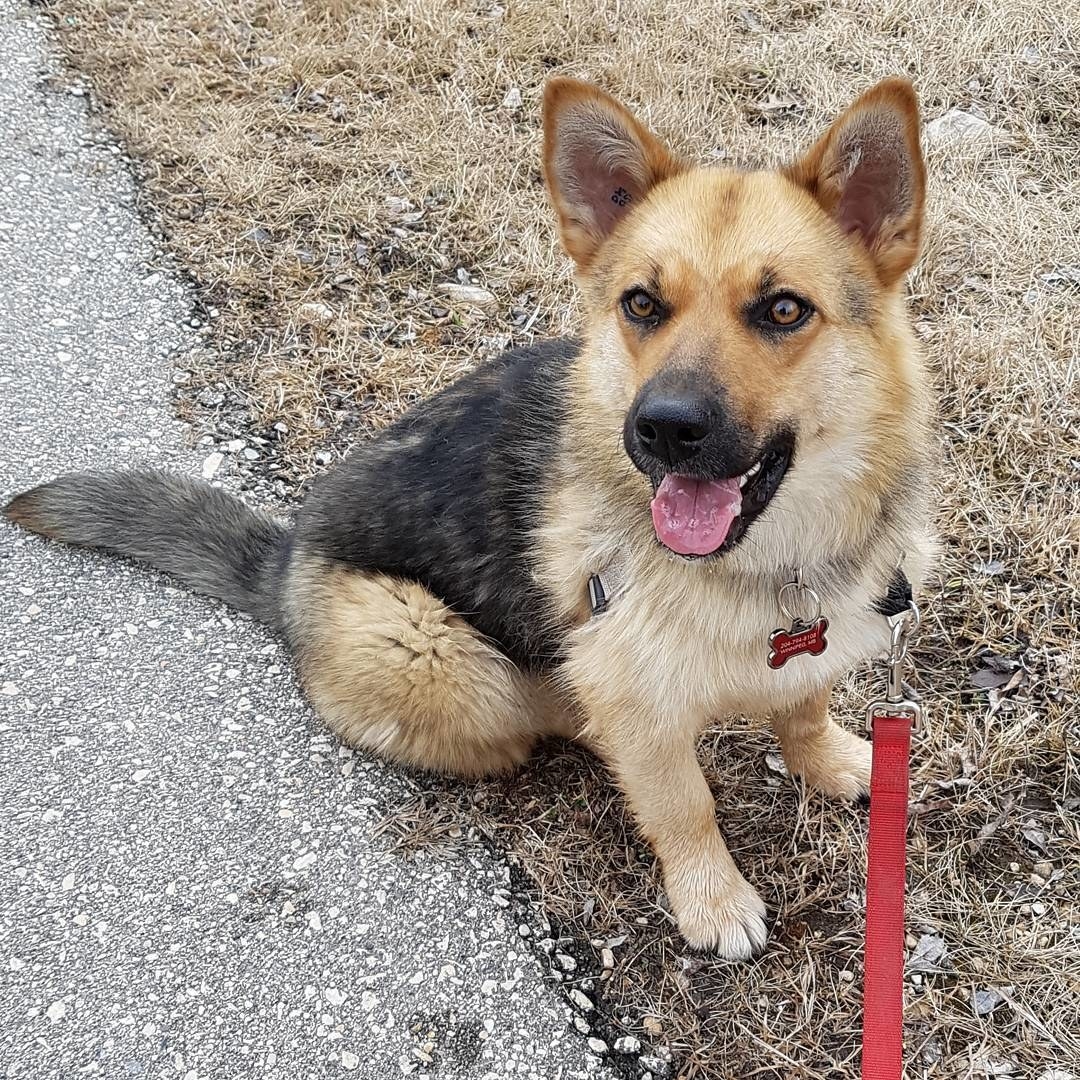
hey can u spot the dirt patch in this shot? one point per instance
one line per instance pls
(323, 170)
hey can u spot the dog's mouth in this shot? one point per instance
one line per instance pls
(697, 517)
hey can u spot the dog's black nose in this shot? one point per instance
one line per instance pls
(673, 429)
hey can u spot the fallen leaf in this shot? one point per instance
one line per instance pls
(1035, 837)
(990, 827)
(984, 1002)
(999, 663)
(988, 679)
(1063, 275)
(467, 294)
(928, 955)
(773, 104)
(996, 1067)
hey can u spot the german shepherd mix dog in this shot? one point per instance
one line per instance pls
(746, 404)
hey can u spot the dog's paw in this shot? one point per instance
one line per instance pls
(837, 764)
(728, 918)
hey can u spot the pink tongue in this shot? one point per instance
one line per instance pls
(693, 517)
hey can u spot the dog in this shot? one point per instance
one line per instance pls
(588, 538)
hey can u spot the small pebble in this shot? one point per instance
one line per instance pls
(212, 464)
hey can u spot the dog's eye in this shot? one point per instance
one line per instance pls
(787, 311)
(639, 305)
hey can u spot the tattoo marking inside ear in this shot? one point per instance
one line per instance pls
(620, 196)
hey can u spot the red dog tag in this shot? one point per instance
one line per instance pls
(784, 644)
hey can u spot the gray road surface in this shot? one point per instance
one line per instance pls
(189, 882)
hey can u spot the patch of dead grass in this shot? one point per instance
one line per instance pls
(321, 168)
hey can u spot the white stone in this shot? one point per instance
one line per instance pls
(957, 126)
(211, 465)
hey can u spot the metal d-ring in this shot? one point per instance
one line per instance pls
(803, 593)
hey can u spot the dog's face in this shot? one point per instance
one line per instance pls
(740, 321)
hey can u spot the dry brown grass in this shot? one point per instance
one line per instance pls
(353, 156)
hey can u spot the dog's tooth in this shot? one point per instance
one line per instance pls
(751, 472)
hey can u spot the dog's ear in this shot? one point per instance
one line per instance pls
(599, 162)
(867, 172)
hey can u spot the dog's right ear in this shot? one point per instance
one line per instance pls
(599, 163)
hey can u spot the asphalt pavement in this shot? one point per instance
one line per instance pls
(192, 881)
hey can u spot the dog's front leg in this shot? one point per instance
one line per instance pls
(714, 905)
(816, 748)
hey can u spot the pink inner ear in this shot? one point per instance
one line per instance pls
(860, 209)
(878, 188)
(608, 193)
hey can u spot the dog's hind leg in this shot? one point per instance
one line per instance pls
(392, 669)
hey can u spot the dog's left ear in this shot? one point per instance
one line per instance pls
(867, 172)
(599, 163)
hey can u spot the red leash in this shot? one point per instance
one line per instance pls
(892, 722)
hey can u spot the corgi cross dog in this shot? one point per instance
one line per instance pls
(746, 403)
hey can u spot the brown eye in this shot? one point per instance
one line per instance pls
(640, 305)
(786, 311)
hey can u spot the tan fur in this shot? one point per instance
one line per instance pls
(816, 748)
(393, 670)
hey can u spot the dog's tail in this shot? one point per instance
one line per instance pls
(208, 539)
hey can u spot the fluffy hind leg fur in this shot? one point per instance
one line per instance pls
(391, 669)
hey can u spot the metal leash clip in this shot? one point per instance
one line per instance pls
(896, 704)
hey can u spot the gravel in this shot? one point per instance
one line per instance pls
(191, 883)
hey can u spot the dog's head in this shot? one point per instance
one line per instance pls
(746, 329)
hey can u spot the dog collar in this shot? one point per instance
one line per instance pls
(806, 633)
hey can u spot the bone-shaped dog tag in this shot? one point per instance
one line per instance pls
(801, 638)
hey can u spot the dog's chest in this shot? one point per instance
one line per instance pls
(697, 645)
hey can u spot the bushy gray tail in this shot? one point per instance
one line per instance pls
(205, 537)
